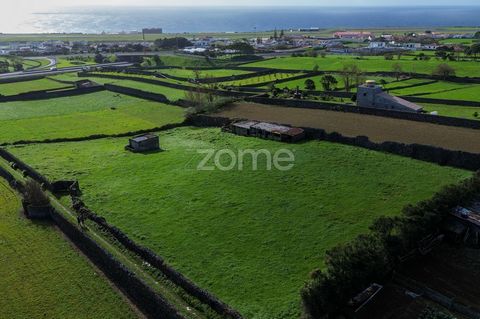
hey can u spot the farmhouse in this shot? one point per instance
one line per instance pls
(268, 131)
(372, 95)
(143, 143)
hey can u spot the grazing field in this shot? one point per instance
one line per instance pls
(467, 112)
(42, 276)
(249, 236)
(27, 86)
(367, 64)
(203, 73)
(65, 63)
(261, 79)
(84, 115)
(377, 128)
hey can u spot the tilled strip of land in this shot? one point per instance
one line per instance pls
(377, 128)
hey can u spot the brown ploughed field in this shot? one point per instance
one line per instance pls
(377, 128)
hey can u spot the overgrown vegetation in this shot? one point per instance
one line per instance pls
(352, 267)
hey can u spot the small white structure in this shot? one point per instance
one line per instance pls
(372, 95)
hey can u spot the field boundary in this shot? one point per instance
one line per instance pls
(426, 153)
(145, 298)
(435, 119)
(49, 94)
(145, 254)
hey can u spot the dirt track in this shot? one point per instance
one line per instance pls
(378, 129)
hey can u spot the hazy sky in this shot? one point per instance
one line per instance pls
(24, 4)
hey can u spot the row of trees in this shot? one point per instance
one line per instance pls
(369, 258)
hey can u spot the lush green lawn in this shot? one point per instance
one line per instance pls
(203, 73)
(454, 110)
(261, 79)
(367, 64)
(27, 86)
(42, 276)
(96, 113)
(65, 63)
(251, 237)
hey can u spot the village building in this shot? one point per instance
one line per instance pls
(372, 95)
(354, 35)
(143, 143)
(463, 224)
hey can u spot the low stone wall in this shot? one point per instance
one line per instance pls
(22, 79)
(419, 117)
(29, 171)
(167, 84)
(144, 297)
(137, 93)
(95, 136)
(42, 95)
(156, 261)
(425, 153)
(144, 253)
(279, 81)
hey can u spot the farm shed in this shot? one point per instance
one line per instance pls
(242, 127)
(268, 131)
(372, 95)
(143, 143)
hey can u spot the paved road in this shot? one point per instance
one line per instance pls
(44, 72)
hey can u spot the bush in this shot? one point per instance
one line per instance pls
(34, 195)
(369, 258)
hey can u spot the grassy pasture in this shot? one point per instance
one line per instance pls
(367, 64)
(261, 79)
(27, 86)
(210, 73)
(251, 237)
(96, 113)
(42, 276)
(454, 110)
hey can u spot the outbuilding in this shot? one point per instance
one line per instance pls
(143, 143)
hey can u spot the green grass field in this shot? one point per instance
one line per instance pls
(261, 79)
(367, 64)
(203, 73)
(65, 63)
(250, 237)
(454, 110)
(27, 86)
(95, 113)
(42, 276)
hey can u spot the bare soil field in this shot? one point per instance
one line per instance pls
(378, 129)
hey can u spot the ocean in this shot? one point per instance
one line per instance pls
(235, 19)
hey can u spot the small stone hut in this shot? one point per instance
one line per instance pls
(143, 143)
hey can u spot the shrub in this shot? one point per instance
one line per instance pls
(34, 195)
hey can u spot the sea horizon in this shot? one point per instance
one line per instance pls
(189, 19)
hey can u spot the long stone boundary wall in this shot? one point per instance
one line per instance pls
(419, 117)
(156, 261)
(425, 153)
(42, 95)
(279, 81)
(94, 137)
(22, 79)
(145, 298)
(146, 254)
(136, 93)
(167, 84)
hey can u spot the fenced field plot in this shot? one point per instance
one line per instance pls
(377, 128)
(83, 115)
(42, 276)
(367, 64)
(27, 86)
(250, 236)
